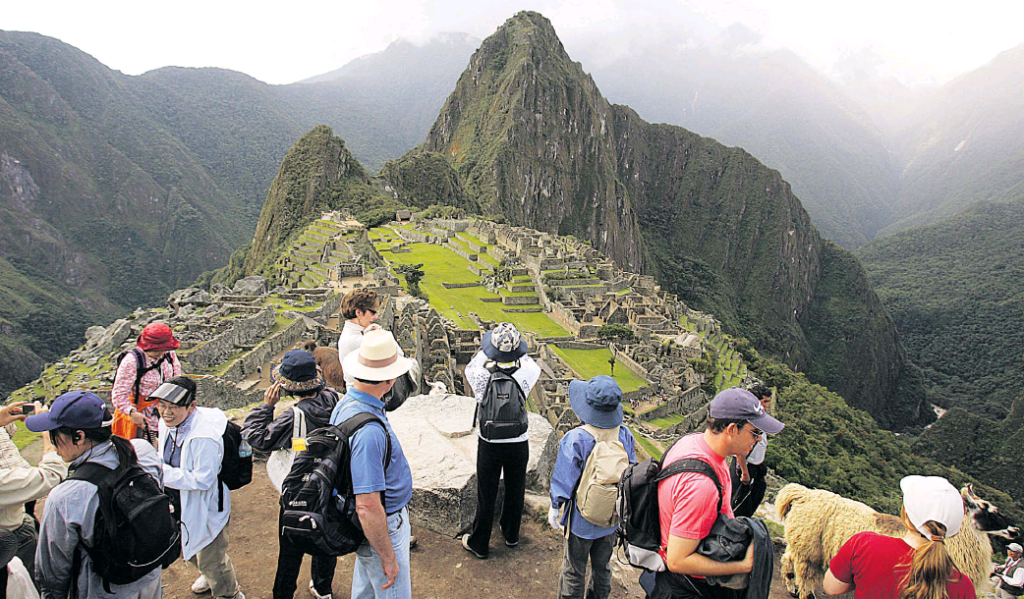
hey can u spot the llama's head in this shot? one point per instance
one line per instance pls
(986, 517)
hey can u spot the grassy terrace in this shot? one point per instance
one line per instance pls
(441, 265)
(472, 238)
(592, 362)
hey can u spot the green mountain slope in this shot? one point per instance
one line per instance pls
(533, 140)
(985, 448)
(778, 108)
(102, 209)
(317, 174)
(967, 144)
(954, 290)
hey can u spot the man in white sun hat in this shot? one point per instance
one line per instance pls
(383, 562)
(1010, 575)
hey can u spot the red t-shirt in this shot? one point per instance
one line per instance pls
(877, 564)
(687, 501)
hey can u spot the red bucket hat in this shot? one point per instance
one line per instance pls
(157, 336)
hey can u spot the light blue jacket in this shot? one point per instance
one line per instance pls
(67, 524)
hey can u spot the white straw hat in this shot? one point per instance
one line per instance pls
(377, 358)
(932, 498)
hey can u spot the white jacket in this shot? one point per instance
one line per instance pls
(201, 456)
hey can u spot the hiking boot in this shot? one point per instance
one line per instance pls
(312, 591)
(465, 545)
(200, 585)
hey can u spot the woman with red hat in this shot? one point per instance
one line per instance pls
(151, 362)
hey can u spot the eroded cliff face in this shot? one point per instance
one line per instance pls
(532, 139)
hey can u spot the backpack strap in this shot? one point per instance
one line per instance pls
(692, 465)
(352, 425)
(298, 422)
(104, 478)
(141, 369)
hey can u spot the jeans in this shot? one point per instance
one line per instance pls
(368, 576)
(213, 563)
(574, 568)
(746, 498)
(669, 585)
(491, 460)
(289, 560)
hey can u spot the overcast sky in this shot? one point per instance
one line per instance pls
(914, 40)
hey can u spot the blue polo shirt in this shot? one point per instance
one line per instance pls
(573, 451)
(368, 450)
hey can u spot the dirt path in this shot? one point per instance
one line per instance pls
(441, 569)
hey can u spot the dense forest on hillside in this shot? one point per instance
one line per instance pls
(954, 290)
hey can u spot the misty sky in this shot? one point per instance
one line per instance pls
(915, 41)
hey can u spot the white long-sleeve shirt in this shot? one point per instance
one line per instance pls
(1013, 573)
(478, 375)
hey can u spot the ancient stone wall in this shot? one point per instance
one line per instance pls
(273, 345)
(243, 332)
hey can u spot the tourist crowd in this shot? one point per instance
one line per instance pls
(133, 489)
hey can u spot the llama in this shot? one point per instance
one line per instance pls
(818, 522)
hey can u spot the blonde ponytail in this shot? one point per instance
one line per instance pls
(931, 567)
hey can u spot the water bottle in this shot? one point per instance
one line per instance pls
(244, 450)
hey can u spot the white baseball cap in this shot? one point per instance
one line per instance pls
(932, 498)
(1014, 547)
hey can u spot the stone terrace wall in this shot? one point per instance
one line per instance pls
(273, 345)
(243, 332)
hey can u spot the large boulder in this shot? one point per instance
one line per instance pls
(101, 341)
(192, 296)
(252, 286)
(439, 440)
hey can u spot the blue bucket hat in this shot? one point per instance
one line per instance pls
(297, 372)
(598, 402)
(503, 343)
(75, 409)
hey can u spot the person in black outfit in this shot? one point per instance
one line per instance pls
(748, 472)
(297, 376)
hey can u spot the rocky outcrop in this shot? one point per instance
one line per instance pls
(439, 440)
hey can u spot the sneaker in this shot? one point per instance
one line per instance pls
(509, 543)
(465, 545)
(200, 585)
(312, 591)
(412, 541)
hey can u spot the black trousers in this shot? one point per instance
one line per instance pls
(289, 560)
(669, 585)
(491, 460)
(746, 498)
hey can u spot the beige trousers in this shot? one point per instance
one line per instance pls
(213, 563)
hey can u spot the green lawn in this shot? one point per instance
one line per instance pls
(667, 421)
(648, 446)
(443, 265)
(592, 362)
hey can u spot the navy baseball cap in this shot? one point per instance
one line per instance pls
(739, 404)
(74, 409)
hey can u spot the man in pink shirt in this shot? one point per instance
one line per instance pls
(687, 501)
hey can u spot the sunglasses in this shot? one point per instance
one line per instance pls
(758, 433)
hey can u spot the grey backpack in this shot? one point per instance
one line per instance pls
(501, 412)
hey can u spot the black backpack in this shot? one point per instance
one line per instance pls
(140, 368)
(502, 411)
(236, 465)
(135, 531)
(637, 507)
(318, 505)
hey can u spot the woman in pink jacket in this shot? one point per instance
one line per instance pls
(151, 362)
